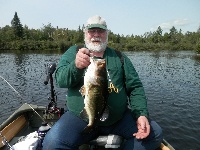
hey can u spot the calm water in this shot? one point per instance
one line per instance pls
(171, 81)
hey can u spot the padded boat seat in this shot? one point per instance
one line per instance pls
(12, 129)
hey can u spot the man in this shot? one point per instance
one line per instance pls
(132, 123)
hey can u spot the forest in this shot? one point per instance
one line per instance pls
(19, 37)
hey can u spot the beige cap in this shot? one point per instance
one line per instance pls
(96, 22)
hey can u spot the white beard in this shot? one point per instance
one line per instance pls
(96, 47)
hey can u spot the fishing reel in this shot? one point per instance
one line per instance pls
(52, 106)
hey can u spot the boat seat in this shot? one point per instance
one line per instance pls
(110, 141)
(13, 129)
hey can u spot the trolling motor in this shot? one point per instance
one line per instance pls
(52, 106)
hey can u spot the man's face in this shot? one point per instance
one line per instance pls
(96, 39)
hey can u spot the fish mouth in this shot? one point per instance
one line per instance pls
(98, 58)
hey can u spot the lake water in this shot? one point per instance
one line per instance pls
(171, 81)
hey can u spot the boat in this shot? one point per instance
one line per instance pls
(28, 118)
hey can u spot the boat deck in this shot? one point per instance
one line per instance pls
(25, 121)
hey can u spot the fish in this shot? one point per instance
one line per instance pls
(95, 93)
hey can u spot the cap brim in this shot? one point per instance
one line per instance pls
(96, 26)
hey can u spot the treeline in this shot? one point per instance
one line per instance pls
(17, 37)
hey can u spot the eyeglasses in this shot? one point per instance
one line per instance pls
(93, 31)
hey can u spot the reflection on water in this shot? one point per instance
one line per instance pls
(171, 81)
(26, 73)
(172, 84)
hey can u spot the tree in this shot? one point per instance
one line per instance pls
(48, 32)
(157, 35)
(159, 31)
(198, 30)
(173, 35)
(17, 26)
(79, 36)
(173, 31)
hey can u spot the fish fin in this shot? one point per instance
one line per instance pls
(87, 129)
(105, 114)
(82, 90)
(83, 114)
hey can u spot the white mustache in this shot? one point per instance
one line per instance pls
(96, 39)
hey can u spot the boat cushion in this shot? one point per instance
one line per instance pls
(13, 128)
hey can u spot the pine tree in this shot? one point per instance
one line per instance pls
(17, 26)
(198, 30)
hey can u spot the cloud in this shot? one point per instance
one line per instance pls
(168, 25)
(180, 22)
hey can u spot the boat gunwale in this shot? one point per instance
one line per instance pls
(25, 108)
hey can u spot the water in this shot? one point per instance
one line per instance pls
(171, 81)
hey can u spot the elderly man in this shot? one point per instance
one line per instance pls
(132, 122)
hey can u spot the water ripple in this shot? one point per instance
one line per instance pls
(171, 81)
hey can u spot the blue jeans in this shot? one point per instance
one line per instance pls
(66, 133)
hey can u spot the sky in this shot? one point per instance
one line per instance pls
(124, 17)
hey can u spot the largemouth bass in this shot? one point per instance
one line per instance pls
(95, 90)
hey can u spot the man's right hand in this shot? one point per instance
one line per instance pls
(82, 58)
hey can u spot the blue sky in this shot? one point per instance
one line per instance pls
(122, 16)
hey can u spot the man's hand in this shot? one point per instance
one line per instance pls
(82, 58)
(143, 128)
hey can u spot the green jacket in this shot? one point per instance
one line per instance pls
(68, 76)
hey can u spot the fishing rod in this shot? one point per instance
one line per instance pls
(22, 97)
(52, 106)
(5, 142)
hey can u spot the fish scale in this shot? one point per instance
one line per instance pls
(95, 90)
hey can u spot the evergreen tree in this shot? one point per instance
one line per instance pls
(198, 30)
(79, 36)
(17, 26)
(173, 35)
